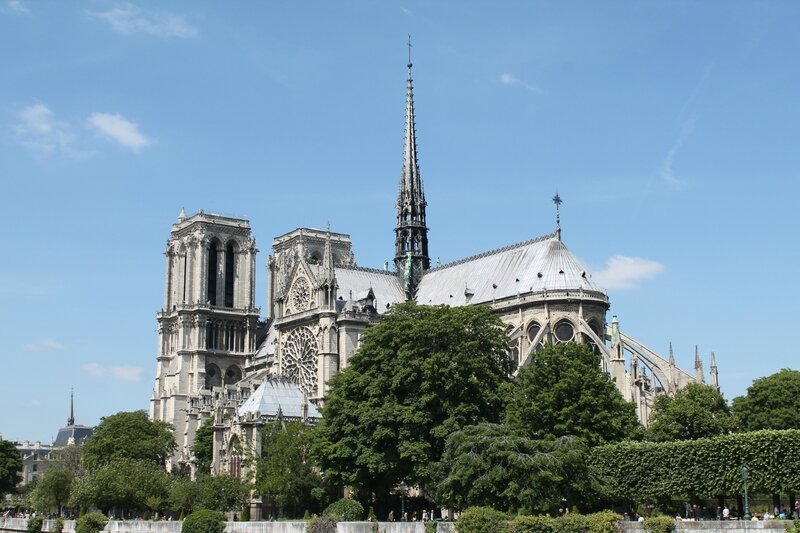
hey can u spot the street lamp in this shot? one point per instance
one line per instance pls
(402, 488)
(745, 474)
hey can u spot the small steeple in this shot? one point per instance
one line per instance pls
(327, 274)
(557, 200)
(182, 215)
(714, 373)
(698, 366)
(71, 419)
(671, 355)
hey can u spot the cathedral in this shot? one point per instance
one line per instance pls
(218, 358)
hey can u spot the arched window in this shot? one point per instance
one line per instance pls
(533, 330)
(213, 376)
(211, 278)
(564, 331)
(230, 264)
(232, 375)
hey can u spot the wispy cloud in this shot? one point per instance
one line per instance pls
(406, 11)
(119, 129)
(665, 171)
(121, 373)
(38, 129)
(128, 19)
(42, 345)
(510, 79)
(16, 6)
(623, 272)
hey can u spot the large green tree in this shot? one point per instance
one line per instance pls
(771, 402)
(121, 484)
(488, 464)
(694, 412)
(421, 374)
(52, 489)
(129, 435)
(564, 392)
(286, 473)
(10, 466)
(203, 446)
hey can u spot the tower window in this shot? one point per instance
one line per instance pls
(211, 280)
(230, 263)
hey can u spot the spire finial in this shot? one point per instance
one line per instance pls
(557, 200)
(409, 51)
(71, 419)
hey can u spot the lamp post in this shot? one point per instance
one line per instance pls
(745, 474)
(402, 488)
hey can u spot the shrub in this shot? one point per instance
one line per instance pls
(346, 510)
(35, 524)
(481, 520)
(570, 523)
(91, 523)
(603, 522)
(58, 525)
(430, 526)
(530, 524)
(659, 524)
(322, 524)
(204, 521)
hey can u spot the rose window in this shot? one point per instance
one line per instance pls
(301, 294)
(300, 359)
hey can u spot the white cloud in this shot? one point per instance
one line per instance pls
(665, 172)
(121, 373)
(127, 19)
(510, 79)
(406, 11)
(118, 128)
(623, 272)
(42, 345)
(16, 6)
(39, 130)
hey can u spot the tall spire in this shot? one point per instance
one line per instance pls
(671, 355)
(714, 372)
(327, 261)
(71, 419)
(698, 366)
(411, 232)
(557, 200)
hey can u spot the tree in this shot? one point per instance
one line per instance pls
(184, 494)
(285, 473)
(420, 374)
(564, 392)
(129, 435)
(52, 489)
(222, 492)
(772, 402)
(125, 484)
(10, 467)
(694, 412)
(203, 446)
(488, 464)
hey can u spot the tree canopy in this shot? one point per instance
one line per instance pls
(285, 472)
(203, 446)
(771, 402)
(694, 412)
(129, 435)
(419, 375)
(10, 466)
(564, 392)
(127, 484)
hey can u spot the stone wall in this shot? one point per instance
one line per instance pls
(729, 526)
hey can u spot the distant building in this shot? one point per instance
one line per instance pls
(214, 353)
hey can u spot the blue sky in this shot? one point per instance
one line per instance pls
(670, 129)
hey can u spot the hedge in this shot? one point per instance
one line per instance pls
(488, 520)
(346, 510)
(646, 471)
(659, 524)
(91, 523)
(204, 521)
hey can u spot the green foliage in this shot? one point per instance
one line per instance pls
(659, 524)
(203, 446)
(564, 392)
(58, 525)
(124, 483)
(430, 527)
(481, 520)
(223, 492)
(286, 472)
(530, 524)
(694, 412)
(91, 523)
(704, 467)
(488, 464)
(322, 524)
(570, 523)
(602, 522)
(772, 402)
(52, 490)
(421, 374)
(129, 435)
(204, 521)
(35, 524)
(184, 494)
(10, 467)
(346, 510)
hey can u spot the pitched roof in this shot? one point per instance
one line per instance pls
(276, 394)
(385, 285)
(540, 264)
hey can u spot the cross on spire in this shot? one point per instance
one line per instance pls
(557, 200)
(409, 50)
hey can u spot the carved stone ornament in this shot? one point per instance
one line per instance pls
(300, 358)
(300, 295)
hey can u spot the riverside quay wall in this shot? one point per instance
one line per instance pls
(19, 525)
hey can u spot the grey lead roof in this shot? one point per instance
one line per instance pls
(385, 286)
(531, 266)
(274, 394)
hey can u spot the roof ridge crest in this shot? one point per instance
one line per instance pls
(495, 251)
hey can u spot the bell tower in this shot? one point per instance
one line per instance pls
(207, 327)
(411, 232)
